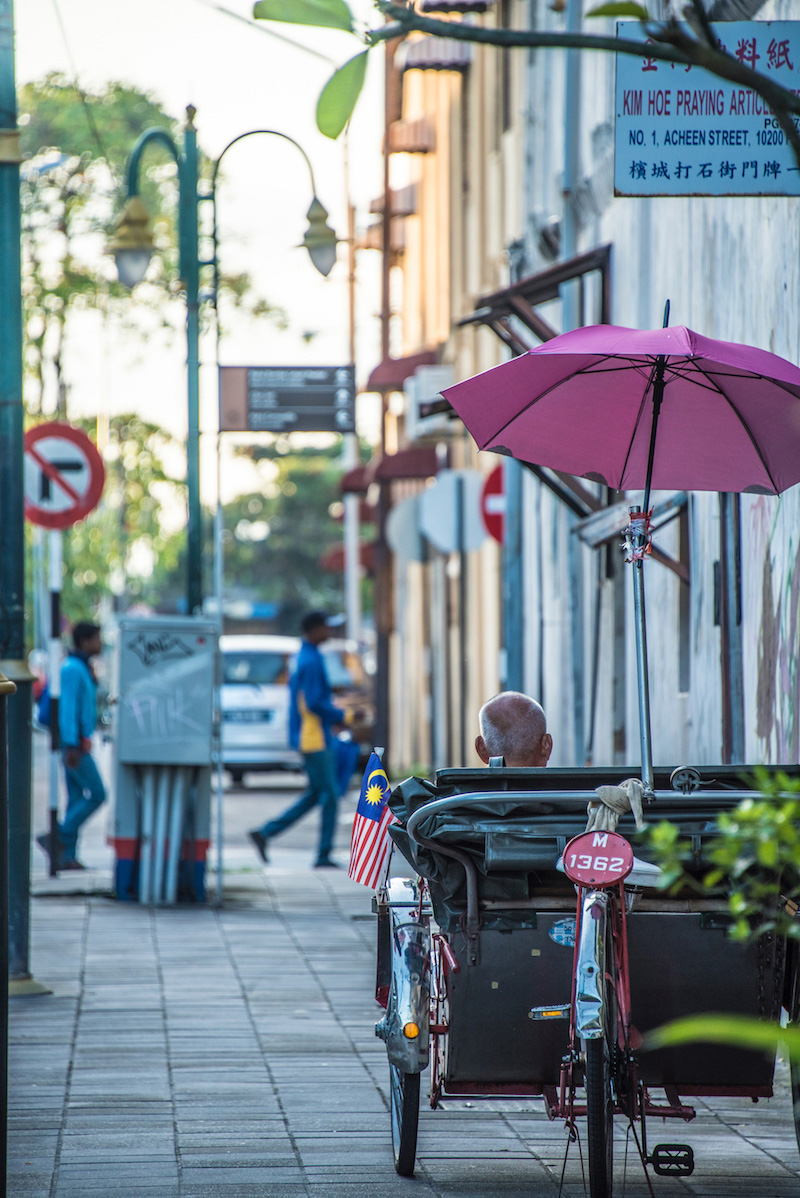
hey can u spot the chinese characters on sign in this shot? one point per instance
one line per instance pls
(287, 399)
(681, 131)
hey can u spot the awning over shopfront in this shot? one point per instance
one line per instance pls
(333, 559)
(415, 462)
(391, 373)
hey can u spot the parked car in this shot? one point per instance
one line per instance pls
(254, 700)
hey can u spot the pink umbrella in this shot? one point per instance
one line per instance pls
(587, 403)
(632, 409)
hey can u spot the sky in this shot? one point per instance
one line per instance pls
(239, 77)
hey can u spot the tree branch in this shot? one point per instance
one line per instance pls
(668, 42)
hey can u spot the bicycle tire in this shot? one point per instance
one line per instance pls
(404, 1102)
(599, 1118)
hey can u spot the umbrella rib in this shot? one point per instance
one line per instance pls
(715, 386)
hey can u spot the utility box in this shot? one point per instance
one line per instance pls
(163, 688)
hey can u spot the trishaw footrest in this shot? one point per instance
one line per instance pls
(554, 1011)
(672, 1160)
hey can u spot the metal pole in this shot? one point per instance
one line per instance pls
(190, 273)
(352, 563)
(638, 542)
(512, 578)
(189, 267)
(12, 545)
(54, 684)
(462, 617)
(6, 688)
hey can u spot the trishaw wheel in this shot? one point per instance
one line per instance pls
(404, 1098)
(599, 1118)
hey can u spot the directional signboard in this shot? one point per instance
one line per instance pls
(287, 399)
(64, 475)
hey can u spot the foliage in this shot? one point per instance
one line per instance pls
(99, 553)
(75, 147)
(285, 569)
(754, 855)
(670, 41)
(741, 1030)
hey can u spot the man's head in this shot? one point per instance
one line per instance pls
(86, 638)
(315, 627)
(513, 727)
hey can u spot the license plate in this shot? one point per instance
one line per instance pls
(248, 717)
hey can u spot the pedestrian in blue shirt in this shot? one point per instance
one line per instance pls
(77, 717)
(312, 718)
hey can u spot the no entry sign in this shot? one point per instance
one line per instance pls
(64, 475)
(493, 504)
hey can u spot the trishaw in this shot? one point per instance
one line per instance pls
(528, 957)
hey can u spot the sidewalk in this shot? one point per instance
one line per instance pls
(196, 1052)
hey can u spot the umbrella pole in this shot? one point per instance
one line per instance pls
(638, 545)
(639, 540)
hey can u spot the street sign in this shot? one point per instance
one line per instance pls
(449, 511)
(493, 504)
(63, 475)
(681, 131)
(287, 399)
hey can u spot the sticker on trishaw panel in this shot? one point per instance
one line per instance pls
(598, 859)
(563, 932)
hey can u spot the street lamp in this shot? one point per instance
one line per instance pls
(132, 247)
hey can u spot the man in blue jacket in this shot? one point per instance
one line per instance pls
(312, 718)
(77, 717)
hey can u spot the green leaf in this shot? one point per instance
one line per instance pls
(339, 95)
(330, 14)
(620, 8)
(741, 1030)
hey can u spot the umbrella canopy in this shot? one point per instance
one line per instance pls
(583, 403)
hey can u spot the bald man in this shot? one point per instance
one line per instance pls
(513, 727)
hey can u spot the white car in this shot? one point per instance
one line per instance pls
(254, 702)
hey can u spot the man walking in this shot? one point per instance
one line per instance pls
(312, 718)
(77, 717)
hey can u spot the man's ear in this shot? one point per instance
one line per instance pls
(481, 750)
(545, 748)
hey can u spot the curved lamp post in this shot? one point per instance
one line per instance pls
(132, 247)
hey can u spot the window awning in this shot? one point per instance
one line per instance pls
(355, 481)
(391, 373)
(418, 461)
(463, 6)
(414, 462)
(434, 54)
(333, 559)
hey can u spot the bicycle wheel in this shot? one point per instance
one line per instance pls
(404, 1101)
(599, 1117)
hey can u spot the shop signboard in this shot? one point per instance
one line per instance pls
(681, 131)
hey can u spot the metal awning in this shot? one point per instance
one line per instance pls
(520, 299)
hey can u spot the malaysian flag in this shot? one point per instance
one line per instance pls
(370, 844)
